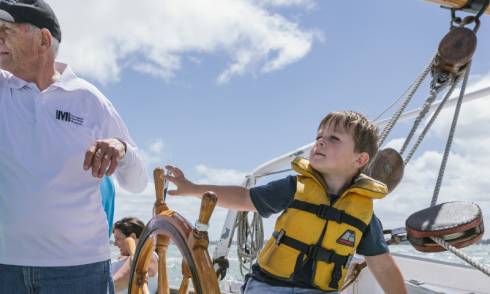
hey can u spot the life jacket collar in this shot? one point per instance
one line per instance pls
(362, 184)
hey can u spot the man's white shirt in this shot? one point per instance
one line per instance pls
(51, 213)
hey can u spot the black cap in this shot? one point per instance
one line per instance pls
(35, 12)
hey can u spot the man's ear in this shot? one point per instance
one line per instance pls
(46, 40)
(362, 159)
(133, 235)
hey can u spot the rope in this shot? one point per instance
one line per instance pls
(418, 120)
(250, 239)
(462, 255)
(411, 92)
(431, 121)
(450, 138)
(354, 274)
(440, 177)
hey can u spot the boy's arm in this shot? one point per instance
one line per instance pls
(232, 197)
(387, 273)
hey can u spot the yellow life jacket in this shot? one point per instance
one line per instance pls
(315, 234)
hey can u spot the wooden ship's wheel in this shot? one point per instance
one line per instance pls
(166, 226)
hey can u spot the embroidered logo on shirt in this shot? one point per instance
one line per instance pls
(66, 116)
(348, 238)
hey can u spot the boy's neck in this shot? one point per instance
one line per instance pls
(336, 184)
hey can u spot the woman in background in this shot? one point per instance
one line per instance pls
(128, 230)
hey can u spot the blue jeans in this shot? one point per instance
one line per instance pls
(94, 278)
(253, 286)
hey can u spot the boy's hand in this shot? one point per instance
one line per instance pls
(176, 176)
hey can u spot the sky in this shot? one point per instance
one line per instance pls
(220, 87)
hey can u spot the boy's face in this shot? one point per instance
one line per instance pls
(333, 153)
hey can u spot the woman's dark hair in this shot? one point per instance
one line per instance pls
(129, 225)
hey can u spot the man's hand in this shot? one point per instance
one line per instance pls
(184, 186)
(103, 156)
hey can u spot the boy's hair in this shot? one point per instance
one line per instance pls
(364, 133)
(130, 225)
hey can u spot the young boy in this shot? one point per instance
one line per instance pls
(327, 214)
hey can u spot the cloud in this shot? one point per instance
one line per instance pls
(219, 176)
(153, 153)
(307, 4)
(102, 38)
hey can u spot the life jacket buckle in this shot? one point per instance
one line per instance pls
(317, 252)
(312, 251)
(279, 236)
(330, 213)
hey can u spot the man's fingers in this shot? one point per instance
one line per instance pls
(103, 156)
(97, 162)
(106, 160)
(89, 155)
(112, 167)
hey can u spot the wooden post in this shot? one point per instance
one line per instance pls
(186, 276)
(208, 204)
(455, 4)
(198, 241)
(142, 275)
(162, 241)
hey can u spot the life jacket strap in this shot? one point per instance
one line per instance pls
(318, 253)
(336, 276)
(328, 212)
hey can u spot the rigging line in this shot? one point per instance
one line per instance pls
(392, 104)
(411, 92)
(462, 255)
(451, 136)
(250, 239)
(432, 120)
(439, 81)
(418, 119)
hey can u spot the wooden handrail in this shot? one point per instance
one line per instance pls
(455, 4)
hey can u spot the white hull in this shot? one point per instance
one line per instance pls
(428, 276)
(422, 276)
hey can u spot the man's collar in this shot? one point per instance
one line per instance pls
(15, 82)
(64, 80)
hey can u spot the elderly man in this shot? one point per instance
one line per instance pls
(58, 137)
